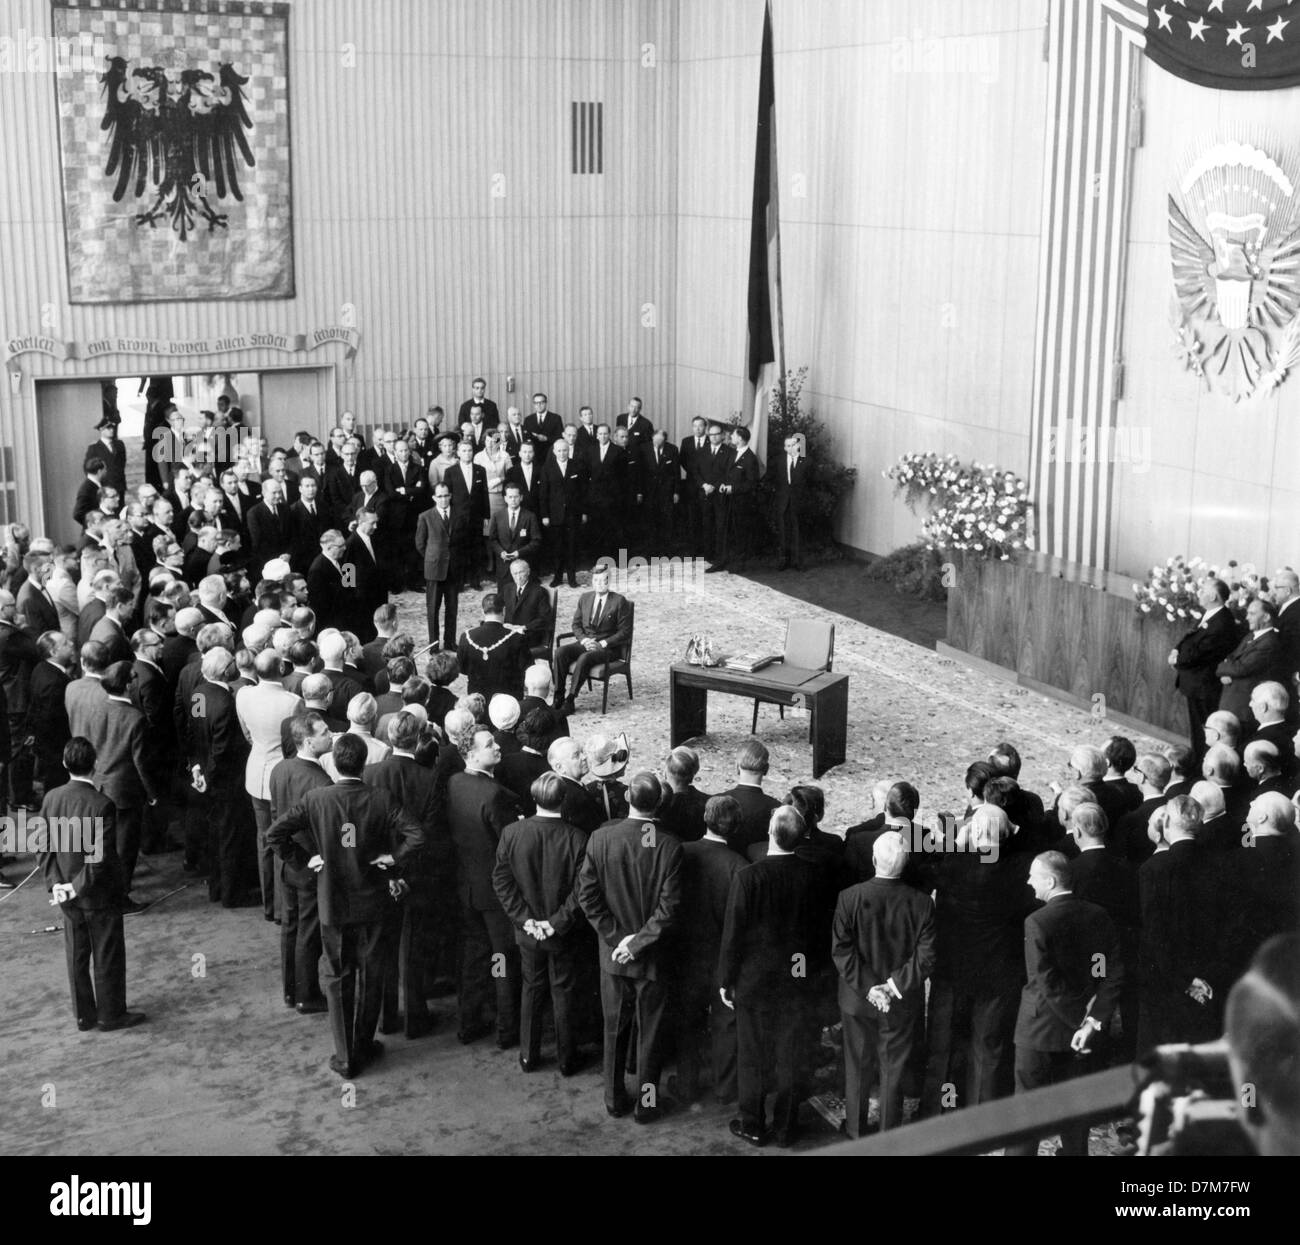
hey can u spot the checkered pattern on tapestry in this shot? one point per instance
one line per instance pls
(176, 236)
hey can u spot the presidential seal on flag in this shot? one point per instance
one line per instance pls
(1234, 240)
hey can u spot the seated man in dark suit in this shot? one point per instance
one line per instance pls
(356, 877)
(85, 878)
(492, 656)
(755, 804)
(1066, 1000)
(602, 627)
(528, 605)
(884, 947)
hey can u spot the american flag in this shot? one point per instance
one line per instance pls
(1235, 45)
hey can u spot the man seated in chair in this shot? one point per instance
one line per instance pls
(602, 629)
(528, 605)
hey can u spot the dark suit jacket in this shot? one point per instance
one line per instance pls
(689, 456)
(478, 809)
(99, 883)
(305, 531)
(90, 614)
(491, 415)
(151, 695)
(1128, 836)
(607, 482)
(1282, 736)
(614, 627)
(712, 467)
(472, 500)
(528, 703)
(47, 712)
(438, 543)
(742, 474)
(1062, 940)
(532, 611)
(883, 931)
(788, 488)
(562, 495)
(212, 739)
(340, 489)
(980, 913)
(755, 811)
(631, 884)
(774, 913)
(512, 440)
(1266, 886)
(707, 872)
(1288, 629)
(1256, 659)
(639, 434)
(545, 432)
(532, 493)
(87, 500)
(369, 587)
(536, 876)
(41, 613)
(325, 590)
(115, 458)
(526, 540)
(124, 770)
(516, 771)
(351, 889)
(494, 659)
(1182, 919)
(18, 658)
(659, 478)
(1199, 653)
(1111, 882)
(268, 536)
(684, 815)
(177, 651)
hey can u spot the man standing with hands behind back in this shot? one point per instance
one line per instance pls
(1075, 973)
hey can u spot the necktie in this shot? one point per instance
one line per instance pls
(273, 510)
(443, 513)
(514, 521)
(789, 475)
(311, 508)
(595, 614)
(659, 458)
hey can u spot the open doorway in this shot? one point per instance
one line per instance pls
(275, 403)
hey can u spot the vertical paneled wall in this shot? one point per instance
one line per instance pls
(1202, 475)
(911, 141)
(433, 200)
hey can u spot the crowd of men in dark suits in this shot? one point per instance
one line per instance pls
(411, 843)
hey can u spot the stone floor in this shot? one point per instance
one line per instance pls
(223, 1067)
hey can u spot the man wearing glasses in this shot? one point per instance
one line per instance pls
(544, 426)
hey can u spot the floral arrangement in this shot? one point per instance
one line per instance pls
(975, 508)
(1171, 589)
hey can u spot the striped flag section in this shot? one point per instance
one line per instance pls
(1093, 53)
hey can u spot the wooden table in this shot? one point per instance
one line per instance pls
(824, 695)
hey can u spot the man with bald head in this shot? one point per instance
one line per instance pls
(1267, 876)
(1270, 703)
(261, 711)
(1219, 832)
(884, 946)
